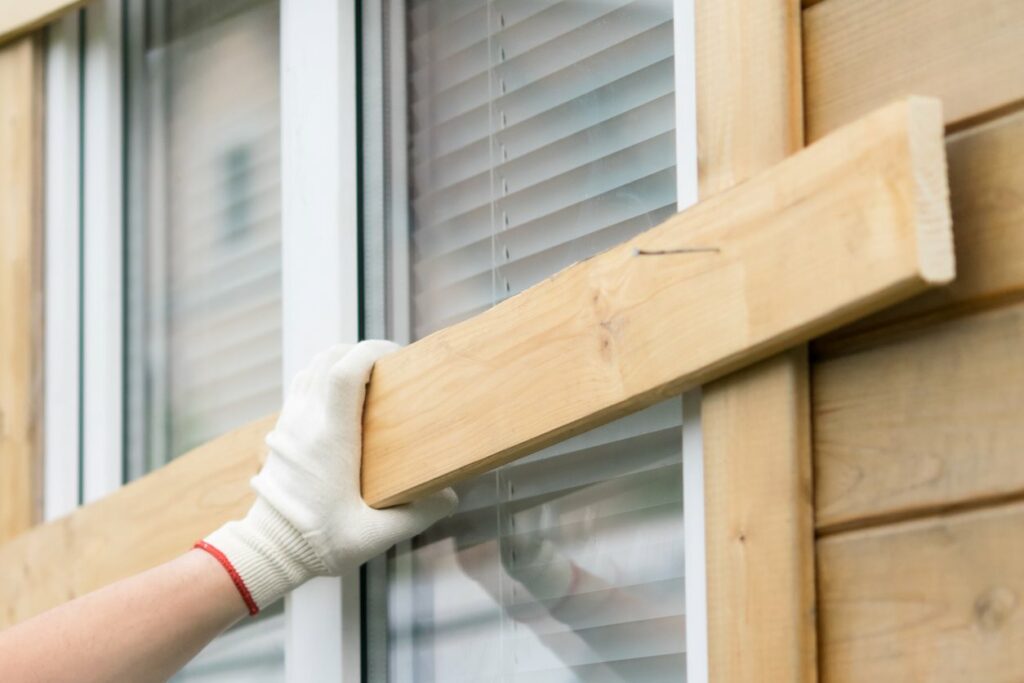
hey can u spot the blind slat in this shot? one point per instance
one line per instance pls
(550, 160)
(449, 166)
(574, 81)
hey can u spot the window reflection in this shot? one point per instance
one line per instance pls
(539, 134)
(204, 234)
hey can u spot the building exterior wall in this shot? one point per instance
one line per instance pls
(917, 411)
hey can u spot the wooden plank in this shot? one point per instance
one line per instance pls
(20, 286)
(860, 54)
(749, 95)
(143, 524)
(986, 172)
(760, 526)
(928, 421)
(756, 422)
(840, 229)
(933, 600)
(21, 16)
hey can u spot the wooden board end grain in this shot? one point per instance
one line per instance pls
(986, 172)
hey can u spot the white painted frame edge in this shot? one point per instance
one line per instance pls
(62, 252)
(685, 38)
(320, 278)
(102, 230)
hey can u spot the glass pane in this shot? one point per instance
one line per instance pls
(204, 234)
(250, 653)
(539, 134)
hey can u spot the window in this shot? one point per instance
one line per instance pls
(163, 252)
(501, 141)
(532, 135)
(203, 227)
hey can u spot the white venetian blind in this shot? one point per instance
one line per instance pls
(540, 134)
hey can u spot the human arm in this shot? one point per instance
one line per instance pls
(308, 520)
(140, 629)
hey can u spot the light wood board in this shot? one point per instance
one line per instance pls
(860, 54)
(986, 174)
(141, 525)
(20, 286)
(932, 419)
(936, 600)
(759, 525)
(841, 229)
(21, 16)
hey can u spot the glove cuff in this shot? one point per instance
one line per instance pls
(264, 554)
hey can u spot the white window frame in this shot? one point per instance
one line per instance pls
(62, 304)
(83, 259)
(102, 249)
(320, 238)
(687, 189)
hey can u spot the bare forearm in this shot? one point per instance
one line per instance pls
(137, 630)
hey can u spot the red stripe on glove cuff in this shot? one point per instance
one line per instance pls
(239, 584)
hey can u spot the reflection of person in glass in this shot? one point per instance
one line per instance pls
(586, 614)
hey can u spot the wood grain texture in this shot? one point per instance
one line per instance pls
(844, 227)
(755, 422)
(760, 526)
(749, 94)
(21, 16)
(937, 600)
(859, 54)
(143, 524)
(20, 286)
(986, 177)
(930, 420)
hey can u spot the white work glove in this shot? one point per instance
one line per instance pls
(309, 518)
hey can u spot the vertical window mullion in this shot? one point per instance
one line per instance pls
(684, 36)
(320, 276)
(102, 301)
(63, 277)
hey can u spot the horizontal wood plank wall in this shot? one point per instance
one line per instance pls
(21, 150)
(756, 422)
(20, 16)
(986, 174)
(859, 54)
(917, 411)
(936, 600)
(141, 525)
(928, 420)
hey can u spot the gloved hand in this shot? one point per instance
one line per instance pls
(309, 518)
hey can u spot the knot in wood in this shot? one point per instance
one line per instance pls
(993, 607)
